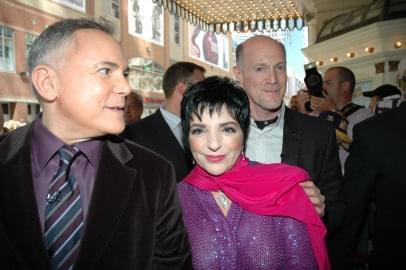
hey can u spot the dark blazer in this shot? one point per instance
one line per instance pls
(310, 143)
(375, 172)
(154, 133)
(134, 219)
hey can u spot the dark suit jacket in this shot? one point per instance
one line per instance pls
(310, 143)
(134, 219)
(376, 171)
(155, 134)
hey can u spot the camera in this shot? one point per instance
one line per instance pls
(313, 81)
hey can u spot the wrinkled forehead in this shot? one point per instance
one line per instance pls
(97, 43)
(93, 34)
(263, 50)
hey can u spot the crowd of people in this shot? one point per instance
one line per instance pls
(222, 176)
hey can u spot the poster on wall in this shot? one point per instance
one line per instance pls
(74, 4)
(209, 47)
(145, 20)
(175, 37)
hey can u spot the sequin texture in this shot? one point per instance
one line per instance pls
(242, 240)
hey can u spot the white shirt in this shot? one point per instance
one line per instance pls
(353, 119)
(265, 146)
(174, 123)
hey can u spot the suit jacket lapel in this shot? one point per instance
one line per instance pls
(164, 131)
(113, 186)
(400, 124)
(400, 121)
(292, 141)
(19, 215)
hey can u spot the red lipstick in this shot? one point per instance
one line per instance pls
(215, 159)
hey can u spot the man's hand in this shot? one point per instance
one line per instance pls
(315, 196)
(322, 104)
(302, 97)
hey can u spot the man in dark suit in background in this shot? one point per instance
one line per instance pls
(162, 131)
(375, 172)
(278, 134)
(1, 119)
(72, 194)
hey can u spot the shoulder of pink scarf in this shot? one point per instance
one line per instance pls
(243, 166)
(283, 168)
(200, 178)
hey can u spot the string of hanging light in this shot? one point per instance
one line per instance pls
(237, 15)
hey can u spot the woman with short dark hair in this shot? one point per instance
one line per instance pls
(241, 214)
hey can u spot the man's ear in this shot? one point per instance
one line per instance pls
(237, 74)
(180, 88)
(345, 85)
(44, 79)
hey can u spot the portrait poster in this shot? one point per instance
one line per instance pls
(209, 47)
(175, 37)
(145, 20)
(79, 5)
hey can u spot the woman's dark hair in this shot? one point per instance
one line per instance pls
(212, 93)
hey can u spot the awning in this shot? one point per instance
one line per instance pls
(238, 15)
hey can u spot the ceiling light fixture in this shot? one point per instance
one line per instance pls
(397, 44)
(334, 59)
(369, 49)
(210, 15)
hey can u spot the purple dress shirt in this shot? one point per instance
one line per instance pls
(242, 240)
(45, 163)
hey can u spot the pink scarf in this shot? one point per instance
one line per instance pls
(268, 189)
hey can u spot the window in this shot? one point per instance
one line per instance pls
(33, 110)
(6, 48)
(29, 40)
(112, 8)
(6, 111)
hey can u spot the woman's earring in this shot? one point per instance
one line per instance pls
(243, 154)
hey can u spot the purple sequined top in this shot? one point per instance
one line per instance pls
(242, 240)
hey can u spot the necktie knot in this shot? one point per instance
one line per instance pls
(67, 154)
(61, 179)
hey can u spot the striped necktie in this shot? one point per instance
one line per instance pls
(64, 218)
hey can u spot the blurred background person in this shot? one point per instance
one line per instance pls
(338, 88)
(133, 108)
(162, 131)
(384, 98)
(375, 173)
(401, 76)
(1, 120)
(258, 215)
